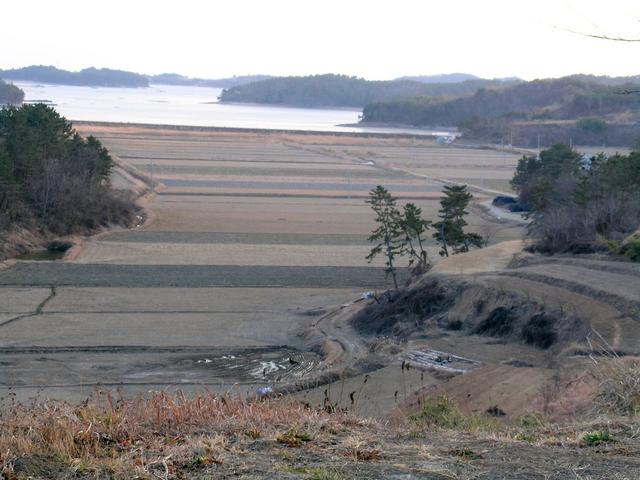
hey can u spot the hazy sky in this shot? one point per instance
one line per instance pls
(368, 38)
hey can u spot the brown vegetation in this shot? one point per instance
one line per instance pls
(163, 436)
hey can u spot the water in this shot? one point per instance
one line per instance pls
(194, 106)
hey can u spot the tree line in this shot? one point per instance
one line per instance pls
(552, 99)
(526, 109)
(404, 233)
(343, 91)
(580, 204)
(53, 180)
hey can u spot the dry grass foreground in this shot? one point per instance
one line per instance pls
(207, 436)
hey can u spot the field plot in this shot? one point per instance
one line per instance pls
(250, 237)
(484, 168)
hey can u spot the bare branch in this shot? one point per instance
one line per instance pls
(626, 92)
(599, 36)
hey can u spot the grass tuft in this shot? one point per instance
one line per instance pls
(294, 438)
(443, 413)
(465, 454)
(596, 438)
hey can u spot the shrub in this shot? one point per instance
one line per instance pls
(619, 391)
(631, 250)
(454, 324)
(530, 420)
(499, 323)
(613, 245)
(439, 412)
(597, 438)
(540, 331)
(443, 413)
(413, 305)
(592, 124)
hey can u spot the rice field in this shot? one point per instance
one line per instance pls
(249, 238)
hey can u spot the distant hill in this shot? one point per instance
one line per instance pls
(331, 90)
(442, 78)
(176, 79)
(93, 77)
(562, 98)
(10, 94)
(605, 80)
(587, 109)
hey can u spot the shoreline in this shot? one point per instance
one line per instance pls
(159, 126)
(290, 105)
(436, 131)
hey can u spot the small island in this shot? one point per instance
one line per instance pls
(89, 77)
(343, 91)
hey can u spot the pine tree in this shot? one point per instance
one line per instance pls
(414, 228)
(449, 231)
(388, 235)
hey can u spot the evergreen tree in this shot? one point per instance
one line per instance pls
(52, 177)
(414, 228)
(449, 231)
(535, 176)
(388, 235)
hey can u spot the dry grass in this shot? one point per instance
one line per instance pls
(163, 436)
(619, 386)
(153, 435)
(618, 377)
(619, 382)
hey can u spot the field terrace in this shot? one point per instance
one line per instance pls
(250, 237)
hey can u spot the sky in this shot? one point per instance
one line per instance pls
(366, 38)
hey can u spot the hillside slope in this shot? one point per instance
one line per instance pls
(556, 99)
(343, 91)
(584, 109)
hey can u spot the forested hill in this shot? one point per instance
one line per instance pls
(554, 99)
(10, 94)
(176, 79)
(343, 91)
(92, 77)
